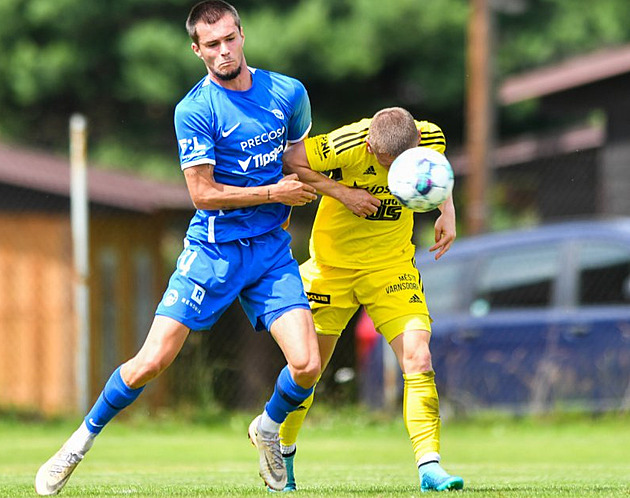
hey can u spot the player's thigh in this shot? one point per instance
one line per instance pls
(330, 292)
(206, 281)
(394, 299)
(273, 283)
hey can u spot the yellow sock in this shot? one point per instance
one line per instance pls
(421, 411)
(293, 423)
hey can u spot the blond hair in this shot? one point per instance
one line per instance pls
(392, 131)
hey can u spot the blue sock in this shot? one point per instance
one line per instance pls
(115, 396)
(286, 397)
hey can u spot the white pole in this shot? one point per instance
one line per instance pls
(79, 220)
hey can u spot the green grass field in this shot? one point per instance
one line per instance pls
(348, 456)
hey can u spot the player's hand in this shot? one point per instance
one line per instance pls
(292, 192)
(360, 202)
(445, 234)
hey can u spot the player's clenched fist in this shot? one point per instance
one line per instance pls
(291, 191)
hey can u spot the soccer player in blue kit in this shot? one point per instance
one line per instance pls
(232, 129)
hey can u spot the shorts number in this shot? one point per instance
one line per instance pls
(185, 261)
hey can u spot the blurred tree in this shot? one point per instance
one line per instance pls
(126, 63)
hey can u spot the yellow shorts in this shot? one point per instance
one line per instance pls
(393, 297)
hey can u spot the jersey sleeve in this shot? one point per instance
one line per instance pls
(194, 131)
(327, 152)
(300, 121)
(431, 136)
(319, 154)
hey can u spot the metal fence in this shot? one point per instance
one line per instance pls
(132, 254)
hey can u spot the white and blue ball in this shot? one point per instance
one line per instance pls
(421, 179)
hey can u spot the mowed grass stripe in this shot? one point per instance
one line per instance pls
(585, 457)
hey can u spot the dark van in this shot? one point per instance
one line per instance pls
(533, 320)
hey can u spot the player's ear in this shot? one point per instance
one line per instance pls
(419, 136)
(195, 48)
(369, 147)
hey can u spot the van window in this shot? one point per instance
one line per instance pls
(521, 278)
(604, 274)
(443, 285)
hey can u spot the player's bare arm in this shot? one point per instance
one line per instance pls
(359, 201)
(208, 194)
(445, 228)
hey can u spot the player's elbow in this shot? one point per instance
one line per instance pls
(294, 159)
(288, 162)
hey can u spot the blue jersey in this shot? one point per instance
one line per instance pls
(243, 135)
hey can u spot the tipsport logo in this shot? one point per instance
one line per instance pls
(261, 160)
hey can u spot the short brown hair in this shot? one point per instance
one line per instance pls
(209, 11)
(393, 131)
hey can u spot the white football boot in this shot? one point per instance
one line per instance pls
(54, 474)
(271, 464)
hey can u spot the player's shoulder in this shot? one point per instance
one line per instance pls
(349, 137)
(428, 126)
(358, 127)
(431, 135)
(197, 97)
(341, 147)
(279, 81)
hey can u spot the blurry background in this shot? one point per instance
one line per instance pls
(531, 94)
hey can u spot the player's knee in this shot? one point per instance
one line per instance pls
(417, 361)
(142, 371)
(307, 372)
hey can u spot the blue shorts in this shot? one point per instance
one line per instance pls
(260, 271)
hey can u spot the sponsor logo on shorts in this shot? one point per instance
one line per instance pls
(193, 305)
(318, 298)
(198, 294)
(406, 281)
(171, 297)
(415, 299)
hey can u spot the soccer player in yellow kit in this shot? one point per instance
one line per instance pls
(362, 254)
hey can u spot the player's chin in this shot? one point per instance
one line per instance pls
(227, 73)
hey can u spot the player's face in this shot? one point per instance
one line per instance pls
(220, 47)
(383, 159)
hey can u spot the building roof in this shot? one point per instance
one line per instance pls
(47, 173)
(533, 147)
(575, 72)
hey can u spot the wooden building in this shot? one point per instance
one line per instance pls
(573, 90)
(581, 166)
(129, 221)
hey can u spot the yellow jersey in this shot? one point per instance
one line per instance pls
(342, 239)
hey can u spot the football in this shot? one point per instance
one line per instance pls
(421, 179)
